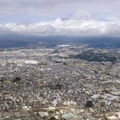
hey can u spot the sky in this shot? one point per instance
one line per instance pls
(60, 17)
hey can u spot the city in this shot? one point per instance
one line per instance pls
(59, 83)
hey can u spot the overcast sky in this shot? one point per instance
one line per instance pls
(35, 12)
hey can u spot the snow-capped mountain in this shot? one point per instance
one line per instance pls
(85, 16)
(78, 16)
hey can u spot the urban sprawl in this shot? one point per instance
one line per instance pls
(61, 83)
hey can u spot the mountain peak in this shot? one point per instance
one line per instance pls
(78, 16)
(84, 16)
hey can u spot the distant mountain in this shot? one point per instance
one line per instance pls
(78, 16)
(84, 16)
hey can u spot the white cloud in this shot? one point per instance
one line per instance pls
(65, 27)
(102, 22)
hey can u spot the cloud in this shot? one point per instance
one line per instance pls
(58, 7)
(32, 6)
(103, 20)
(68, 27)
